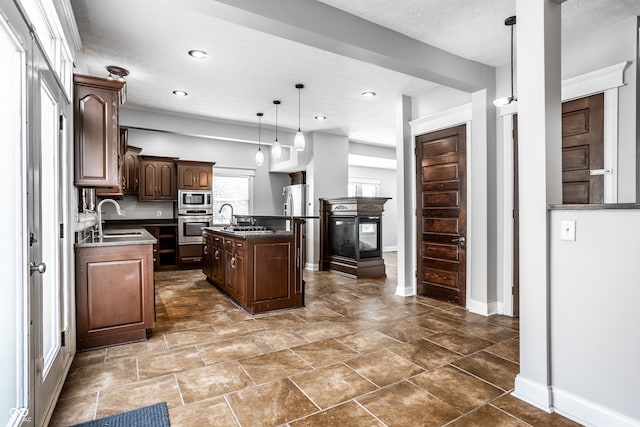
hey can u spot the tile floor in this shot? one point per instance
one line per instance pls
(356, 355)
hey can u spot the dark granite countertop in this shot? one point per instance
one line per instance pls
(249, 234)
(150, 222)
(594, 207)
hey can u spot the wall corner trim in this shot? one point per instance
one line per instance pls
(596, 81)
(441, 120)
(586, 412)
(536, 394)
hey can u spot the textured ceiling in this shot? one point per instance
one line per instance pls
(248, 69)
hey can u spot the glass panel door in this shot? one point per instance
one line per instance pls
(13, 314)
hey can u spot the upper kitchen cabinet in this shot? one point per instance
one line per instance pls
(194, 175)
(130, 171)
(119, 190)
(157, 178)
(96, 133)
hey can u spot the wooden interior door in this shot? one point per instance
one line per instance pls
(583, 150)
(442, 214)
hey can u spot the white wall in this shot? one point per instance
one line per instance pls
(438, 99)
(595, 291)
(388, 188)
(233, 154)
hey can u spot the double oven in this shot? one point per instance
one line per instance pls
(195, 210)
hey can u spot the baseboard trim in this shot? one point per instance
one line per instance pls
(390, 249)
(588, 413)
(538, 395)
(311, 266)
(477, 307)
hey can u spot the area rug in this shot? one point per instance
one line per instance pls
(149, 416)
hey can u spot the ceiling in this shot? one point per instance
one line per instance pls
(247, 69)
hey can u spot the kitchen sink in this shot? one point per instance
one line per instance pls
(108, 234)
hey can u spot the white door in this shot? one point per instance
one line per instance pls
(14, 316)
(44, 208)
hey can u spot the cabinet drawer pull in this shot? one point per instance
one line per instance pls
(206, 249)
(233, 262)
(216, 255)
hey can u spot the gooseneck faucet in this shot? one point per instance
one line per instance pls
(99, 212)
(231, 208)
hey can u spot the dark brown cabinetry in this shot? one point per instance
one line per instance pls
(164, 251)
(114, 295)
(130, 181)
(96, 135)
(190, 256)
(194, 175)
(117, 191)
(157, 178)
(261, 273)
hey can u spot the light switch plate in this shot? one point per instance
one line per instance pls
(568, 230)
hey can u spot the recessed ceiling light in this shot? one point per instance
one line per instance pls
(198, 53)
(368, 94)
(320, 117)
(180, 93)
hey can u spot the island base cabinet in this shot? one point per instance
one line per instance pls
(114, 295)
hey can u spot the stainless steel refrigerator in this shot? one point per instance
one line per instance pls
(294, 198)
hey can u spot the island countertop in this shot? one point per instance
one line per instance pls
(119, 237)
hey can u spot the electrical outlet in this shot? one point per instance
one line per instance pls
(158, 213)
(568, 230)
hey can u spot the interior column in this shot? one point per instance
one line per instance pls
(539, 145)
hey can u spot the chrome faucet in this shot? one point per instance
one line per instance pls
(99, 212)
(231, 208)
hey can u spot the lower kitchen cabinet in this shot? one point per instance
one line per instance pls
(190, 256)
(165, 251)
(114, 295)
(259, 272)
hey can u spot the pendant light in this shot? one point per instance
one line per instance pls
(298, 141)
(276, 148)
(259, 153)
(509, 22)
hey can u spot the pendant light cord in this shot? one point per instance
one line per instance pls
(276, 122)
(298, 110)
(259, 132)
(512, 62)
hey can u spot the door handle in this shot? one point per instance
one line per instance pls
(40, 268)
(233, 262)
(461, 241)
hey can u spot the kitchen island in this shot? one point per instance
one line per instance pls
(114, 288)
(259, 267)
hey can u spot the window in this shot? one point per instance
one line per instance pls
(365, 187)
(235, 187)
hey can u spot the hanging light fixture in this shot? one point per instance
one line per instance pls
(298, 141)
(259, 153)
(276, 148)
(509, 22)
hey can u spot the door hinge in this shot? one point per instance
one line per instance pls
(513, 213)
(63, 338)
(32, 239)
(62, 230)
(61, 122)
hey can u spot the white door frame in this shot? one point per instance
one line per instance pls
(606, 80)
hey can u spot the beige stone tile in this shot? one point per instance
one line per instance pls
(120, 399)
(153, 345)
(509, 350)
(425, 353)
(531, 414)
(232, 349)
(211, 381)
(237, 329)
(348, 414)
(89, 358)
(326, 329)
(150, 366)
(270, 404)
(274, 340)
(190, 337)
(376, 367)
(271, 366)
(214, 412)
(488, 416)
(459, 389)
(406, 404)
(74, 410)
(437, 323)
(489, 331)
(506, 321)
(493, 369)
(280, 321)
(325, 352)
(368, 341)
(332, 385)
(91, 378)
(463, 314)
(459, 341)
(406, 331)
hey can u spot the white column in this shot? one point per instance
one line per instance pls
(539, 144)
(405, 199)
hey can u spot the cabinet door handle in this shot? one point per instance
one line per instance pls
(206, 251)
(216, 255)
(233, 262)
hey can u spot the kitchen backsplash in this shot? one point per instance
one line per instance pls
(138, 210)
